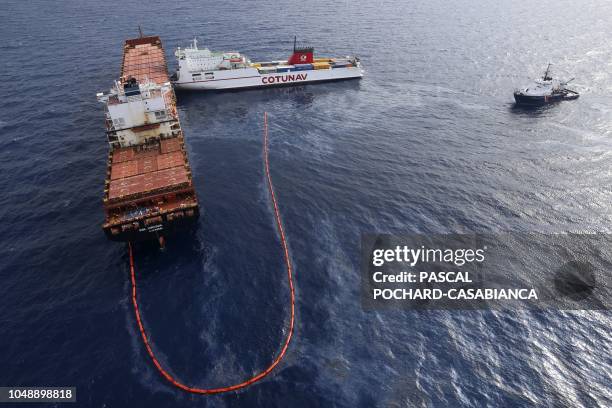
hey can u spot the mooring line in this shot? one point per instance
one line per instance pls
(283, 351)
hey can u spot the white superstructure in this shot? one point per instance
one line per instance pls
(137, 113)
(204, 69)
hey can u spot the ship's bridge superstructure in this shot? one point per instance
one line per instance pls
(138, 113)
(192, 59)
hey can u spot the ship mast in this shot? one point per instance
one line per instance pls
(546, 74)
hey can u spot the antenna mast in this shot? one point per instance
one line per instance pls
(546, 74)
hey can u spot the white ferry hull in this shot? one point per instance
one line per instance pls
(252, 78)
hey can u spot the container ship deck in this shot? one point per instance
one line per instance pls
(148, 189)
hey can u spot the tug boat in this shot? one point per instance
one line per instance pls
(546, 90)
(202, 69)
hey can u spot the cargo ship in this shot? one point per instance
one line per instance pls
(148, 192)
(202, 69)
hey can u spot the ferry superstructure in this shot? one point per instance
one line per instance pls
(148, 190)
(202, 69)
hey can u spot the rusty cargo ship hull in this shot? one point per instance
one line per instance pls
(148, 190)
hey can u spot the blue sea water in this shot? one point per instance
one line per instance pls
(428, 142)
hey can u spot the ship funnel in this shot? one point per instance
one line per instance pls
(301, 55)
(131, 87)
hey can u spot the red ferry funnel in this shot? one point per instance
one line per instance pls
(303, 55)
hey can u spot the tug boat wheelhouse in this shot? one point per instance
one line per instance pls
(207, 70)
(546, 90)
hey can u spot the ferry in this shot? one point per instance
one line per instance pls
(544, 91)
(202, 69)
